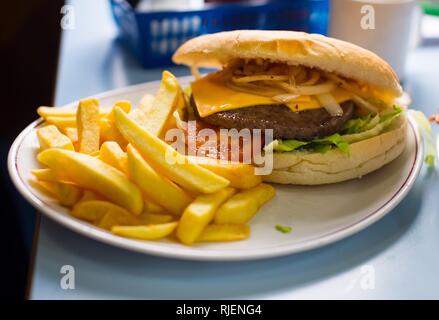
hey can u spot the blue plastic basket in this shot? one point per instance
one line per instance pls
(154, 36)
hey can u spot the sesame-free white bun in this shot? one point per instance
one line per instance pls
(293, 48)
(305, 168)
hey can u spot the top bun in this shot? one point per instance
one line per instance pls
(293, 48)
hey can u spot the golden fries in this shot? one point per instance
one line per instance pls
(151, 207)
(146, 102)
(224, 232)
(113, 169)
(91, 210)
(116, 216)
(153, 218)
(199, 214)
(240, 175)
(184, 172)
(62, 122)
(87, 119)
(109, 132)
(152, 232)
(71, 133)
(46, 112)
(94, 174)
(164, 104)
(156, 187)
(66, 193)
(241, 207)
(45, 175)
(90, 195)
(51, 137)
(125, 105)
(65, 112)
(113, 154)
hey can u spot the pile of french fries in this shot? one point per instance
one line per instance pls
(111, 168)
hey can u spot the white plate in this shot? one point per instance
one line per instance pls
(318, 215)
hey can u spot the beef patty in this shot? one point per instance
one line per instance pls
(286, 124)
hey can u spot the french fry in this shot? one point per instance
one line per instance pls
(151, 218)
(240, 175)
(46, 187)
(89, 195)
(62, 122)
(199, 214)
(116, 216)
(173, 164)
(152, 232)
(109, 132)
(45, 174)
(139, 117)
(94, 174)
(91, 210)
(125, 105)
(224, 232)
(151, 207)
(71, 133)
(87, 119)
(46, 112)
(146, 102)
(180, 107)
(65, 112)
(51, 137)
(158, 188)
(67, 194)
(242, 206)
(165, 102)
(113, 154)
(103, 213)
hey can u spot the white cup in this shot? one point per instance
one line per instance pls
(390, 28)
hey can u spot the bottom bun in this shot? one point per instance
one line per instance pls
(304, 168)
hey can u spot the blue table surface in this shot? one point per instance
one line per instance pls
(396, 257)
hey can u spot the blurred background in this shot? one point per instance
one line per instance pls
(54, 52)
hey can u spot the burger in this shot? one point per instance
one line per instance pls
(331, 105)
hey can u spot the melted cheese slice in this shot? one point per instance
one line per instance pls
(212, 96)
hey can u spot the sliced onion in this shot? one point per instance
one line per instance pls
(262, 77)
(351, 87)
(315, 77)
(284, 98)
(330, 104)
(179, 122)
(195, 72)
(308, 90)
(254, 89)
(363, 103)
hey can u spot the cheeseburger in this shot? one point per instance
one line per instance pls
(331, 104)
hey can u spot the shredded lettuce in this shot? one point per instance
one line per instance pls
(320, 145)
(361, 124)
(357, 125)
(283, 229)
(385, 119)
(354, 130)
